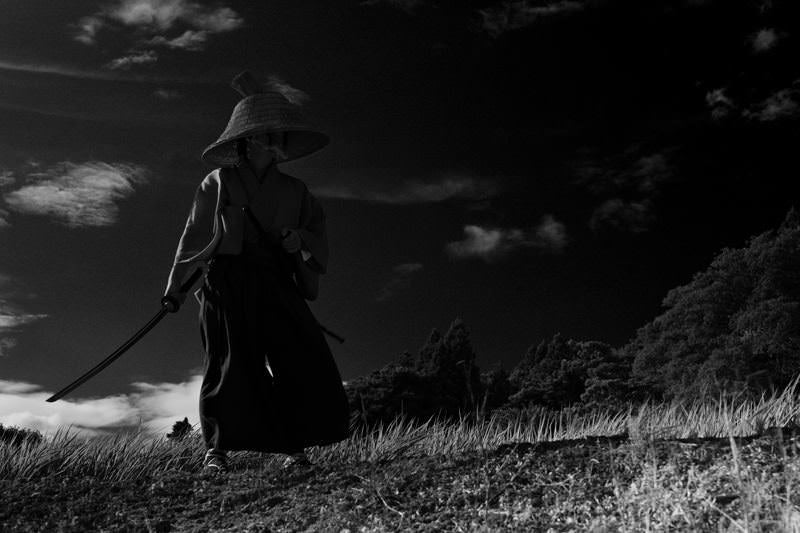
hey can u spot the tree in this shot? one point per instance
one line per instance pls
(180, 430)
(734, 327)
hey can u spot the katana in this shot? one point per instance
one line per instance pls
(168, 305)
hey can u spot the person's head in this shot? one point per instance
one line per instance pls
(263, 149)
(287, 135)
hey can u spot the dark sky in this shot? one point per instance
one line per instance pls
(532, 167)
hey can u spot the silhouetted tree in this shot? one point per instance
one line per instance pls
(734, 327)
(19, 436)
(180, 430)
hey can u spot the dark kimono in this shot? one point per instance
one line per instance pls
(270, 381)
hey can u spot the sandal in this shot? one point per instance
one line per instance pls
(215, 461)
(297, 459)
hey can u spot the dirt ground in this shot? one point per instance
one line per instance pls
(562, 486)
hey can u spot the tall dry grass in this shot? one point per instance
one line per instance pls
(134, 455)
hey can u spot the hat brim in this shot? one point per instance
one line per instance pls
(299, 143)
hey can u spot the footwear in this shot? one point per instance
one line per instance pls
(297, 459)
(215, 461)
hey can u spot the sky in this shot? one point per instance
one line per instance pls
(531, 167)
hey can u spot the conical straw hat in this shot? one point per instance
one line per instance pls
(263, 111)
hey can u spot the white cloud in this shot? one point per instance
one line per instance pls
(721, 106)
(4, 223)
(77, 195)
(189, 40)
(516, 14)
(157, 406)
(87, 28)
(153, 18)
(294, 95)
(764, 40)
(413, 192)
(136, 58)
(551, 234)
(400, 280)
(781, 104)
(12, 317)
(167, 94)
(491, 244)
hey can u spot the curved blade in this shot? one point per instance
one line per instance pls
(165, 308)
(110, 359)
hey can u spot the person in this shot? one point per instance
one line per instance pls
(270, 382)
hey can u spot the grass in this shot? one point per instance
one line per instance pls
(672, 467)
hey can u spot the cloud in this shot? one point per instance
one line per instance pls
(629, 184)
(414, 192)
(167, 94)
(157, 406)
(135, 58)
(12, 317)
(400, 280)
(764, 40)
(77, 195)
(781, 104)
(4, 223)
(631, 216)
(189, 40)
(87, 28)
(152, 18)
(721, 106)
(516, 14)
(492, 244)
(294, 95)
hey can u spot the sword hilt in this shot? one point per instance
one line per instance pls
(170, 303)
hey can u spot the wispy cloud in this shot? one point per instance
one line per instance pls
(780, 104)
(629, 185)
(414, 191)
(136, 58)
(401, 279)
(492, 243)
(720, 104)
(155, 23)
(516, 14)
(293, 94)
(764, 40)
(12, 316)
(157, 406)
(77, 195)
(167, 94)
(192, 40)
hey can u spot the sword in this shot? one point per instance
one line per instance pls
(168, 305)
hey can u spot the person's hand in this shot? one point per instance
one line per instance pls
(290, 240)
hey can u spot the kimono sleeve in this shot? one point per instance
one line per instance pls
(197, 233)
(313, 233)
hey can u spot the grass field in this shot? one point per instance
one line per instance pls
(716, 466)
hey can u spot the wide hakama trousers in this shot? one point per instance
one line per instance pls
(270, 382)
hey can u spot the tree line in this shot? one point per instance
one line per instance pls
(734, 329)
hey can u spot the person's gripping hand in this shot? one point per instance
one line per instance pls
(290, 240)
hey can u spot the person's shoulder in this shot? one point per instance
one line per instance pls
(213, 179)
(296, 183)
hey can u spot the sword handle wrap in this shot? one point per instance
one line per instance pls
(170, 303)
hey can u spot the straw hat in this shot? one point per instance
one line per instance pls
(263, 111)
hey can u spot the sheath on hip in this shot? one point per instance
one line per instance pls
(270, 381)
